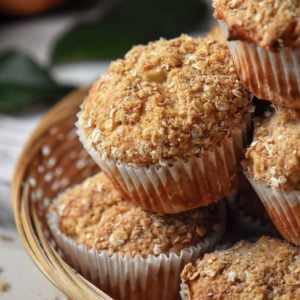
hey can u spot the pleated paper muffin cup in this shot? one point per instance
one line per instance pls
(250, 224)
(173, 186)
(283, 209)
(184, 291)
(126, 277)
(269, 75)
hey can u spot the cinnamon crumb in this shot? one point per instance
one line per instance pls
(6, 238)
(4, 286)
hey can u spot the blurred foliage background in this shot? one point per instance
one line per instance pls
(106, 30)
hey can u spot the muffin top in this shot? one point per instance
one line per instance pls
(217, 34)
(95, 214)
(267, 269)
(274, 155)
(268, 23)
(170, 99)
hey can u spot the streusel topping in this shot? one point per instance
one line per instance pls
(268, 269)
(168, 99)
(95, 214)
(268, 23)
(274, 155)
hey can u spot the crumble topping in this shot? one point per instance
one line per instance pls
(274, 155)
(96, 215)
(166, 100)
(269, 23)
(267, 269)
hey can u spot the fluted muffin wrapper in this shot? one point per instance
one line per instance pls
(184, 291)
(173, 186)
(270, 75)
(126, 277)
(283, 209)
(249, 223)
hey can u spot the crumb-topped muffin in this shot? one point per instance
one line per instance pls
(98, 229)
(264, 40)
(166, 102)
(273, 168)
(246, 271)
(273, 158)
(168, 99)
(97, 215)
(267, 23)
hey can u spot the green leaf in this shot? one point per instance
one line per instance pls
(132, 22)
(23, 83)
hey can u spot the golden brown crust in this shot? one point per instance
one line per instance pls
(268, 23)
(274, 155)
(267, 269)
(168, 99)
(217, 34)
(96, 215)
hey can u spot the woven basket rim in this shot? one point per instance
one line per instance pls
(29, 229)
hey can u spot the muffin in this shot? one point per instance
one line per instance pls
(127, 252)
(264, 40)
(167, 124)
(273, 167)
(217, 34)
(245, 271)
(247, 211)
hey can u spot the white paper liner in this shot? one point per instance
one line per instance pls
(283, 208)
(249, 223)
(184, 291)
(155, 277)
(176, 186)
(269, 75)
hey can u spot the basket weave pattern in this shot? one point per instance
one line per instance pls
(52, 161)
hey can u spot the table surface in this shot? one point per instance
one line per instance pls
(18, 275)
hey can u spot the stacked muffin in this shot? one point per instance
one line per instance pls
(264, 40)
(126, 251)
(273, 167)
(246, 272)
(168, 125)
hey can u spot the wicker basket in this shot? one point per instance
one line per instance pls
(43, 171)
